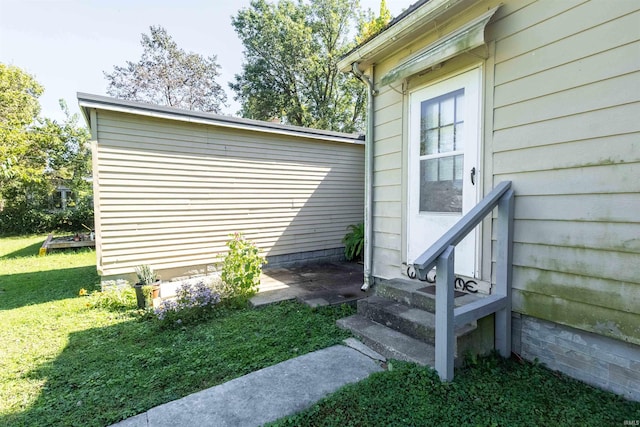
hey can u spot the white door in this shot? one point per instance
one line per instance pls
(443, 152)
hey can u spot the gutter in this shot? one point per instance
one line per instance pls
(368, 177)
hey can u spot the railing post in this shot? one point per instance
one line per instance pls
(503, 272)
(445, 344)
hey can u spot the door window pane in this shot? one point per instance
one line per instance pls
(459, 107)
(447, 111)
(457, 168)
(441, 121)
(459, 137)
(441, 184)
(429, 144)
(441, 132)
(430, 113)
(447, 138)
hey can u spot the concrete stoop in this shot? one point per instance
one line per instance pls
(399, 323)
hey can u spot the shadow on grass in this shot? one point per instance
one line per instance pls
(106, 374)
(27, 251)
(18, 290)
(103, 375)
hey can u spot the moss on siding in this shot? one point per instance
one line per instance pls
(616, 324)
(606, 293)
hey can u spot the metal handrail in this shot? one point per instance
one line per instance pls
(441, 254)
(425, 262)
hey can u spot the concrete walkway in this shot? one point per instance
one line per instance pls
(265, 395)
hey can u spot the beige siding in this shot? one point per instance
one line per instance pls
(387, 183)
(562, 97)
(171, 192)
(566, 132)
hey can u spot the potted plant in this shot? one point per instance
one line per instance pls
(148, 286)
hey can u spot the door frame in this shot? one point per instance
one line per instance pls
(478, 267)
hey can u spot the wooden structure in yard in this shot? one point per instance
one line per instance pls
(66, 242)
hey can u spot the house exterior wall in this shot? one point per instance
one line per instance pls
(169, 193)
(566, 133)
(561, 102)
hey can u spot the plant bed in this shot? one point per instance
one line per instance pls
(78, 240)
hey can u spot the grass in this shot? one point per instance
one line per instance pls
(492, 392)
(62, 363)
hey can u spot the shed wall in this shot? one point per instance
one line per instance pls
(171, 192)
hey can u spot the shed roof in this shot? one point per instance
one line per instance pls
(89, 101)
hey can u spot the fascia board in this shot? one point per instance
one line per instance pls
(88, 102)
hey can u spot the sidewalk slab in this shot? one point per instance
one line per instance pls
(265, 395)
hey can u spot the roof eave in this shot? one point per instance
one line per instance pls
(90, 101)
(399, 34)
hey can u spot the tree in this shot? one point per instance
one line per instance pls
(289, 73)
(375, 25)
(167, 75)
(36, 154)
(19, 108)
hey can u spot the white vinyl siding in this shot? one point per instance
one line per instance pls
(563, 124)
(387, 183)
(171, 192)
(566, 132)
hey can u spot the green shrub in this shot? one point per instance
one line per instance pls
(114, 296)
(22, 219)
(354, 242)
(241, 269)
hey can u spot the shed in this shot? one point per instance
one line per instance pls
(170, 186)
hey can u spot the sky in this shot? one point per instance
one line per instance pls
(68, 44)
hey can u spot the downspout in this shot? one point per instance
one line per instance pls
(368, 178)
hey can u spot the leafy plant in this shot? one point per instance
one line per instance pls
(193, 303)
(114, 296)
(146, 275)
(354, 241)
(241, 269)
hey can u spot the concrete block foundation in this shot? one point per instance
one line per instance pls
(597, 360)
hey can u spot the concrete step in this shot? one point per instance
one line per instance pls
(414, 322)
(388, 342)
(408, 292)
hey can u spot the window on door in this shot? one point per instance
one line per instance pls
(441, 153)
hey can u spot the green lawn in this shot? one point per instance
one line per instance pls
(62, 363)
(492, 392)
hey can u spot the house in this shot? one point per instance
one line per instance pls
(544, 94)
(170, 186)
